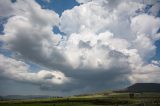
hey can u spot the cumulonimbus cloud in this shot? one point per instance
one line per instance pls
(106, 42)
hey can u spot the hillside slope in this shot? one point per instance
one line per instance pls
(143, 87)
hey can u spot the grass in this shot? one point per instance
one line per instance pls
(49, 104)
(110, 99)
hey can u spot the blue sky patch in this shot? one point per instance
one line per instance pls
(57, 5)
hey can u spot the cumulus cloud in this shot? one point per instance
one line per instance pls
(18, 70)
(145, 24)
(30, 34)
(107, 44)
(99, 17)
(146, 73)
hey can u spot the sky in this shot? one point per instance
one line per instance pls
(69, 47)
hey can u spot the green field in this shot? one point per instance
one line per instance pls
(103, 99)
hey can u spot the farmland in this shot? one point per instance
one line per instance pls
(100, 99)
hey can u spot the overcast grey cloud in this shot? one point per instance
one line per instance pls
(107, 45)
(6, 8)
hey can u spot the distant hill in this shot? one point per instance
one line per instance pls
(18, 97)
(142, 87)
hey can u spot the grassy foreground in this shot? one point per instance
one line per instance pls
(103, 99)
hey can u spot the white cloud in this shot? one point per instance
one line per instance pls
(106, 42)
(30, 33)
(88, 16)
(18, 70)
(98, 49)
(147, 73)
(145, 46)
(83, 1)
(99, 17)
(35, 14)
(145, 24)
